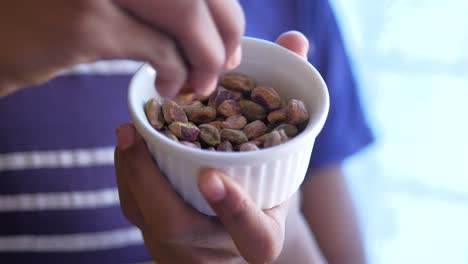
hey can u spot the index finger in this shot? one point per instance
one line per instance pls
(192, 25)
(229, 18)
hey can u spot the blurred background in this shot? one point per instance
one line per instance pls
(411, 186)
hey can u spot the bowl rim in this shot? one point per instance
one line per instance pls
(311, 131)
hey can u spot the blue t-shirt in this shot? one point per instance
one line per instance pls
(58, 197)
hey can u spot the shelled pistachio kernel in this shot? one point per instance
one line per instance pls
(173, 112)
(261, 139)
(238, 82)
(255, 129)
(153, 111)
(234, 122)
(218, 96)
(200, 114)
(184, 131)
(209, 135)
(290, 130)
(191, 144)
(275, 138)
(234, 136)
(248, 146)
(283, 120)
(278, 116)
(297, 112)
(251, 110)
(266, 96)
(225, 146)
(229, 108)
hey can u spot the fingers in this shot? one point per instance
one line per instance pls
(192, 24)
(258, 236)
(229, 18)
(163, 211)
(127, 201)
(295, 42)
(137, 40)
(203, 48)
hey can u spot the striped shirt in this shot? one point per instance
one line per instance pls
(58, 196)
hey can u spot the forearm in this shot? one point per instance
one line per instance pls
(299, 245)
(328, 208)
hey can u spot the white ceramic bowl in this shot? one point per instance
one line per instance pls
(269, 175)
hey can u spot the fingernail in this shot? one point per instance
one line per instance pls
(125, 136)
(213, 188)
(235, 59)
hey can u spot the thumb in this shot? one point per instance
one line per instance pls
(294, 41)
(258, 236)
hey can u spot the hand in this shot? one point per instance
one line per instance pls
(176, 233)
(183, 39)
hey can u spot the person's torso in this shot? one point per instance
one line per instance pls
(58, 197)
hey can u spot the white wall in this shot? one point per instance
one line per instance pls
(411, 187)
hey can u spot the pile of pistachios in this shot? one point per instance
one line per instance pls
(238, 116)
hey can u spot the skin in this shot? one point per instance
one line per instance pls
(193, 46)
(41, 38)
(328, 208)
(176, 233)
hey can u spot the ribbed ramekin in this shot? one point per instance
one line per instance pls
(269, 175)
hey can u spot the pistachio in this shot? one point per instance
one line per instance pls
(235, 95)
(256, 143)
(225, 146)
(261, 138)
(251, 110)
(278, 116)
(185, 98)
(200, 114)
(202, 98)
(184, 131)
(283, 135)
(238, 82)
(301, 127)
(290, 130)
(154, 113)
(191, 144)
(209, 134)
(297, 112)
(187, 92)
(266, 96)
(218, 96)
(248, 147)
(173, 112)
(191, 106)
(237, 116)
(234, 136)
(218, 124)
(229, 108)
(275, 138)
(255, 129)
(170, 135)
(234, 122)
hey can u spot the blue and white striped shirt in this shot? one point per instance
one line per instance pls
(58, 196)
